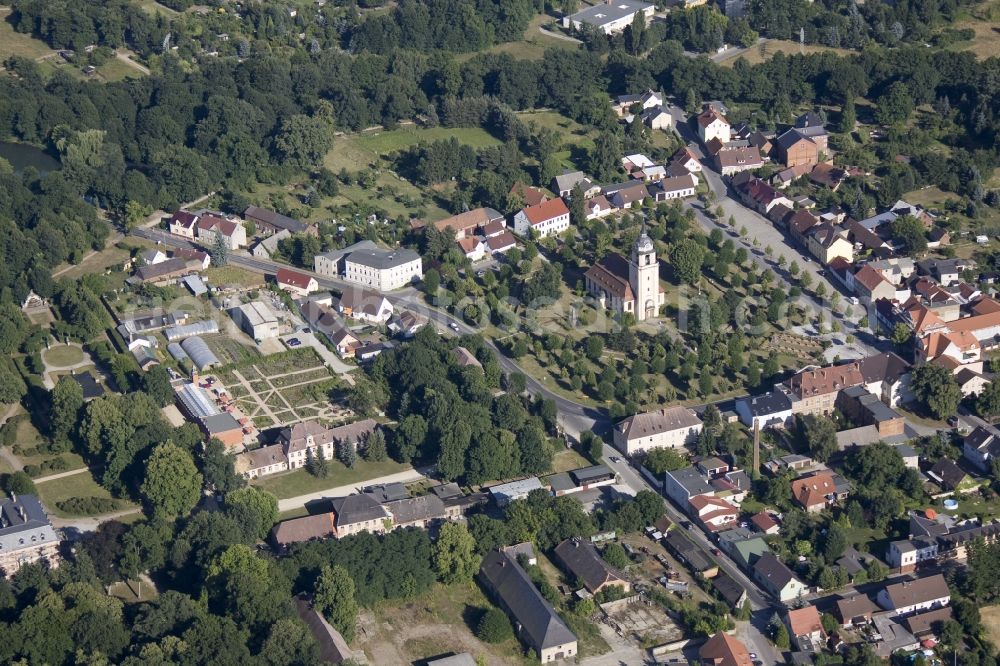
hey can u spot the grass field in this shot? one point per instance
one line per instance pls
(984, 20)
(381, 142)
(761, 52)
(116, 70)
(301, 482)
(93, 263)
(534, 43)
(233, 275)
(567, 459)
(63, 355)
(13, 43)
(80, 485)
(990, 616)
(437, 622)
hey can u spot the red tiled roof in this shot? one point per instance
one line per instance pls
(804, 621)
(812, 490)
(611, 274)
(532, 195)
(545, 211)
(293, 278)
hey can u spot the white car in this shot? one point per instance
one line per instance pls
(453, 326)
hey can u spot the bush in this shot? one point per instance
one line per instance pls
(18, 483)
(89, 506)
(494, 627)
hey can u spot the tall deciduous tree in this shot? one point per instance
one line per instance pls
(334, 597)
(936, 388)
(255, 508)
(455, 556)
(173, 482)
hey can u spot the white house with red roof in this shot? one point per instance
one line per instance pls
(713, 125)
(473, 247)
(232, 231)
(184, 224)
(715, 513)
(297, 284)
(547, 219)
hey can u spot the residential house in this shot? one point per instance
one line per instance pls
(683, 484)
(786, 177)
(184, 224)
(565, 183)
(765, 523)
(827, 242)
(623, 104)
(597, 207)
(760, 196)
(537, 622)
(268, 222)
(906, 555)
(912, 596)
(815, 390)
(546, 219)
(349, 515)
(776, 579)
(296, 283)
(687, 160)
(152, 256)
(855, 610)
(581, 560)
(501, 243)
(365, 305)
(742, 545)
(624, 195)
(814, 492)
(345, 342)
(947, 474)
(981, 446)
(266, 247)
(260, 462)
(970, 382)
(674, 187)
(26, 535)
(800, 223)
(406, 323)
(734, 160)
(713, 125)
(870, 285)
(927, 624)
(465, 224)
(731, 592)
(531, 196)
(670, 427)
(197, 258)
(210, 227)
(165, 272)
(770, 410)
(383, 270)
(827, 175)
(714, 513)
(805, 629)
(724, 650)
(474, 248)
(609, 18)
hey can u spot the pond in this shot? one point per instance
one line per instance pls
(21, 156)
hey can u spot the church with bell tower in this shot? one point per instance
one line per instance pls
(629, 286)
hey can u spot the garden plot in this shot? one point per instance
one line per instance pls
(283, 389)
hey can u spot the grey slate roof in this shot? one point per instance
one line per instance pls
(538, 619)
(773, 570)
(583, 561)
(601, 14)
(771, 402)
(357, 509)
(275, 219)
(18, 532)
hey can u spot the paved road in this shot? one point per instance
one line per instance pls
(290, 503)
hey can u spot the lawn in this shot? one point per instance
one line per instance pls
(62, 356)
(567, 459)
(80, 485)
(116, 70)
(94, 263)
(13, 43)
(762, 52)
(300, 482)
